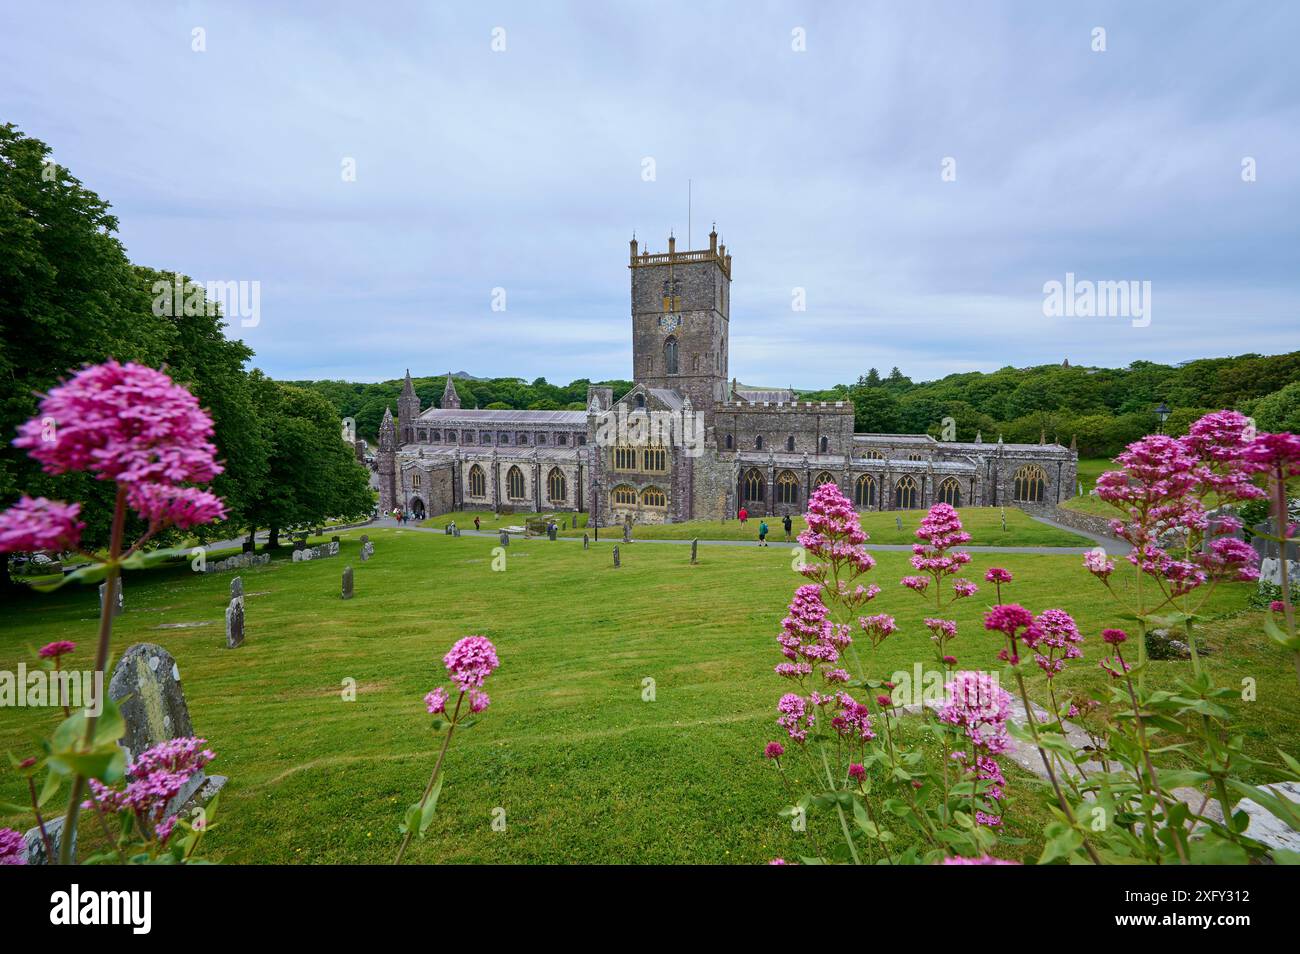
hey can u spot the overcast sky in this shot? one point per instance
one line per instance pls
(525, 169)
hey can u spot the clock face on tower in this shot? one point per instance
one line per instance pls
(669, 322)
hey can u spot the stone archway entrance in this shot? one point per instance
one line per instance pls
(417, 508)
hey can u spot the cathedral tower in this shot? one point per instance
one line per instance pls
(386, 460)
(681, 307)
(408, 409)
(450, 399)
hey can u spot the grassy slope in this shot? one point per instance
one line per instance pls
(984, 524)
(585, 769)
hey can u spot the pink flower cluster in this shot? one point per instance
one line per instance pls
(469, 662)
(60, 647)
(121, 422)
(1054, 637)
(155, 778)
(980, 707)
(13, 850)
(796, 716)
(834, 536)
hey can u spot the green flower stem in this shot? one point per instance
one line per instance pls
(428, 789)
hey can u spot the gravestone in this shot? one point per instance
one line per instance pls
(898, 522)
(617, 564)
(1004, 518)
(695, 544)
(146, 684)
(297, 555)
(236, 587)
(347, 582)
(586, 542)
(235, 622)
(455, 531)
(504, 539)
(117, 590)
(551, 532)
(367, 551)
(627, 532)
(35, 845)
(248, 546)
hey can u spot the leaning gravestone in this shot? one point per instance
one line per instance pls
(586, 542)
(347, 582)
(617, 564)
(235, 618)
(146, 684)
(695, 545)
(117, 590)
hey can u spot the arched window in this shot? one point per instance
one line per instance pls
(640, 400)
(823, 478)
(874, 455)
(729, 442)
(653, 497)
(670, 355)
(477, 482)
(435, 436)
(555, 489)
(950, 492)
(522, 438)
(758, 442)
(789, 443)
(1028, 484)
(915, 457)
(654, 459)
(787, 488)
(422, 436)
(864, 491)
(906, 496)
(825, 445)
(415, 480)
(451, 437)
(623, 495)
(625, 458)
(515, 484)
(751, 486)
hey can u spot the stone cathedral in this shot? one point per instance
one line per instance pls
(688, 442)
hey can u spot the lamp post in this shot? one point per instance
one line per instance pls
(1162, 412)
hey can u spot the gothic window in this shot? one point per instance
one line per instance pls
(477, 482)
(906, 496)
(503, 437)
(555, 489)
(640, 401)
(752, 485)
(670, 356)
(582, 440)
(787, 488)
(515, 484)
(654, 459)
(1028, 484)
(915, 457)
(562, 439)
(653, 497)
(522, 439)
(624, 458)
(729, 442)
(758, 442)
(789, 443)
(864, 491)
(541, 438)
(415, 481)
(485, 437)
(624, 495)
(825, 445)
(435, 436)
(423, 436)
(950, 492)
(823, 478)
(874, 455)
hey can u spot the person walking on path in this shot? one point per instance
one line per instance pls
(743, 515)
(476, 527)
(762, 533)
(787, 523)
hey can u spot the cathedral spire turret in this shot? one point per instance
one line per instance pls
(450, 399)
(408, 409)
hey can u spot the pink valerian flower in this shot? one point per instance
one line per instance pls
(40, 524)
(796, 716)
(471, 660)
(1276, 454)
(853, 721)
(1219, 440)
(126, 423)
(836, 675)
(1009, 618)
(789, 670)
(981, 860)
(877, 627)
(1113, 637)
(54, 650)
(1097, 563)
(941, 528)
(1116, 666)
(943, 631)
(154, 779)
(831, 514)
(980, 707)
(778, 861)
(917, 583)
(1277, 606)
(963, 588)
(857, 772)
(996, 574)
(1231, 559)
(774, 750)
(436, 701)
(1055, 638)
(13, 849)
(478, 700)
(162, 505)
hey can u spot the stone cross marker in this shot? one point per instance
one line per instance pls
(617, 564)
(117, 603)
(146, 684)
(695, 544)
(235, 621)
(586, 542)
(347, 582)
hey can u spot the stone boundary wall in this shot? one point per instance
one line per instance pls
(1087, 522)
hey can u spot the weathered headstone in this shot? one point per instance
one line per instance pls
(695, 545)
(898, 522)
(117, 592)
(617, 564)
(35, 844)
(367, 551)
(1004, 518)
(347, 582)
(234, 621)
(586, 542)
(551, 532)
(146, 684)
(504, 539)
(236, 587)
(627, 533)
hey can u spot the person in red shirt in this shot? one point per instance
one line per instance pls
(744, 515)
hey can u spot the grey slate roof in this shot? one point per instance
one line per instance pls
(436, 415)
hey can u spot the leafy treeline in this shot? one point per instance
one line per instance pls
(69, 296)
(1103, 408)
(365, 403)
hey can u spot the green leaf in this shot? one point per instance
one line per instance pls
(1281, 636)
(431, 805)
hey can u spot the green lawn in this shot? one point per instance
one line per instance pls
(984, 524)
(585, 770)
